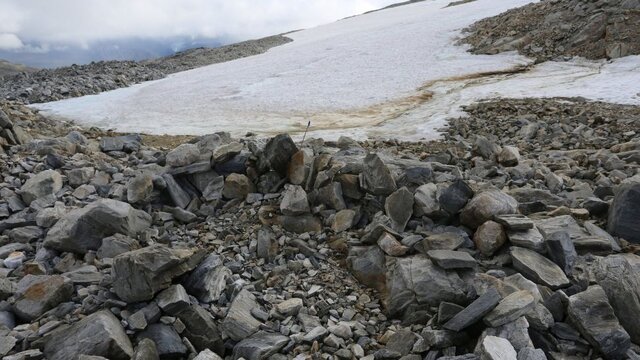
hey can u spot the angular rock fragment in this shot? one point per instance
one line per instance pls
(208, 281)
(168, 342)
(237, 186)
(138, 275)
(485, 206)
(239, 324)
(99, 334)
(448, 259)
(495, 348)
(36, 294)
(278, 152)
(83, 229)
(44, 183)
(489, 237)
(594, 317)
(475, 311)
(376, 177)
(399, 208)
(510, 308)
(183, 155)
(201, 329)
(259, 346)
(562, 251)
(625, 212)
(173, 299)
(294, 201)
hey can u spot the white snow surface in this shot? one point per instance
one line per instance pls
(396, 73)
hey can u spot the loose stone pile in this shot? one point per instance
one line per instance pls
(511, 239)
(552, 29)
(77, 80)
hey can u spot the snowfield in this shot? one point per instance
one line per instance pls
(396, 73)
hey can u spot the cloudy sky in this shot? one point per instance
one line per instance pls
(42, 25)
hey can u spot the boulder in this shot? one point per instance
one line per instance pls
(173, 299)
(376, 177)
(201, 329)
(178, 195)
(619, 276)
(455, 197)
(168, 342)
(367, 264)
(417, 281)
(138, 275)
(399, 208)
(595, 319)
(139, 188)
(237, 186)
(625, 212)
(44, 183)
(226, 152)
(126, 143)
(509, 156)
(146, 350)
(331, 196)
(36, 294)
(343, 220)
(99, 334)
(489, 237)
(80, 176)
(83, 229)
(294, 201)
(426, 201)
(485, 205)
(538, 268)
(208, 281)
(562, 251)
(239, 324)
(115, 245)
(278, 152)
(391, 246)
(183, 155)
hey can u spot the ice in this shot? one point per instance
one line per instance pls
(395, 73)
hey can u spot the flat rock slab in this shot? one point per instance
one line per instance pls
(594, 317)
(515, 222)
(138, 275)
(531, 239)
(99, 334)
(538, 268)
(475, 311)
(448, 259)
(510, 308)
(496, 348)
(259, 346)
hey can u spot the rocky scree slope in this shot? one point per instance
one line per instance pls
(515, 237)
(554, 29)
(78, 80)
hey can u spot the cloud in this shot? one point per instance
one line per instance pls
(81, 22)
(10, 42)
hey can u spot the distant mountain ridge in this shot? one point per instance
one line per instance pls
(7, 68)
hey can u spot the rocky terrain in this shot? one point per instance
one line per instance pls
(554, 29)
(8, 69)
(78, 80)
(514, 237)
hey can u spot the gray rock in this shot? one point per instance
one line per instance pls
(343, 220)
(565, 223)
(168, 342)
(146, 350)
(207, 355)
(302, 224)
(99, 334)
(475, 311)
(289, 307)
(495, 348)
(426, 200)
(80, 176)
(485, 148)
(368, 265)
(514, 222)
(331, 196)
(443, 241)
(294, 201)
(446, 311)
(485, 206)
(416, 280)
(138, 275)
(399, 208)
(516, 332)
(391, 246)
(201, 329)
(45, 183)
(36, 294)
(278, 152)
(315, 334)
(224, 153)
(173, 299)
(455, 197)
(127, 143)
(509, 156)
(139, 188)
(260, 345)
(531, 239)
(115, 245)
(208, 281)
(624, 213)
(538, 268)
(376, 177)
(510, 308)
(179, 197)
(83, 229)
(531, 354)
(237, 186)
(448, 259)
(540, 318)
(213, 190)
(239, 324)
(6, 344)
(489, 237)
(619, 276)
(529, 195)
(183, 155)
(562, 251)
(595, 319)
